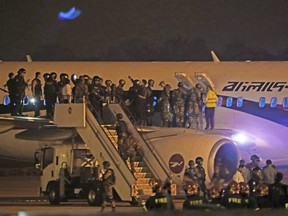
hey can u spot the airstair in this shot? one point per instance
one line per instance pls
(101, 139)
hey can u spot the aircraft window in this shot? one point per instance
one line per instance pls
(285, 102)
(44, 102)
(273, 102)
(229, 102)
(262, 102)
(154, 101)
(240, 102)
(219, 101)
(6, 100)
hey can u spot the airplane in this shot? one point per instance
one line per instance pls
(251, 109)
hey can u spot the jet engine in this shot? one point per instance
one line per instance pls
(176, 146)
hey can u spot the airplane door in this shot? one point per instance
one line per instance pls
(204, 80)
(186, 79)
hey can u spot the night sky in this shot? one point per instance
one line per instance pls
(144, 30)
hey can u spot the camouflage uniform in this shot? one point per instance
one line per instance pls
(108, 184)
(179, 96)
(165, 105)
(192, 109)
(81, 92)
(131, 151)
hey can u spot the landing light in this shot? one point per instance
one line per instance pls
(32, 100)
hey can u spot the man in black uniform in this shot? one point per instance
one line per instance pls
(36, 88)
(150, 100)
(10, 84)
(20, 85)
(50, 93)
(120, 97)
(159, 201)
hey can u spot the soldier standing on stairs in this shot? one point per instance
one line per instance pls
(122, 133)
(131, 151)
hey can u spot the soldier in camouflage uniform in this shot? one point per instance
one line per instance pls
(108, 180)
(131, 151)
(81, 91)
(192, 109)
(165, 103)
(200, 101)
(179, 96)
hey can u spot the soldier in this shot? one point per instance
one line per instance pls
(81, 91)
(278, 192)
(192, 108)
(122, 133)
(179, 96)
(50, 93)
(164, 101)
(141, 103)
(96, 96)
(200, 101)
(257, 178)
(159, 201)
(108, 91)
(191, 173)
(131, 151)
(201, 178)
(193, 200)
(150, 100)
(120, 94)
(20, 85)
(263, 196)
(10, 84)
(36, 88)
(245, 171)
(108, 179)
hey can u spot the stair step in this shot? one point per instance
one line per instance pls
(143, 181)
(143, 186)
(145, 191)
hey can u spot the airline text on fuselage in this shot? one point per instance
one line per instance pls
(255, 86)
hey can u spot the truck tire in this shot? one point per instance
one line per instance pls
(53, 194)
(94, 196)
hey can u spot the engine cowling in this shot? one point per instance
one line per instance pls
(176, 146)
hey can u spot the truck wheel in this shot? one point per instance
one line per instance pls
(94, 197)
(53, 194)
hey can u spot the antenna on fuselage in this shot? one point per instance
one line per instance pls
(29, 58)
(214, 57)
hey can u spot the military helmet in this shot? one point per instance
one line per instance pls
(191, 188)
(198, 85)
(255, 158)
(11, 74)
(157, 185)
(122, 82)
(180, 84)
(108, 82)
(53, 75)
(46, 76)
(234, 187)
(21, 70)
(106, 164)
(244, 188)
(119, 116)
(96, 79)
(198, 159)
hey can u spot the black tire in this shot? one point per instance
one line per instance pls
(53, 194)
(94, 196)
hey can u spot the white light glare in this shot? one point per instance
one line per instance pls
(32, 100)
(239, 138)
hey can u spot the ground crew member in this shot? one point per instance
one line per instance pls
(36, 88)
(122, 133)
(238, 175)
(193, 200)
(201, 178)
(10, 84)
(20, 86)
(255, 160)
(158, 201)
(257, 178)
(245, 171)
(263, 200)
(108, 179)
(245, 193)
(210, 104)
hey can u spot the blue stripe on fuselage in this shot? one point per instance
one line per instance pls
(277, 114)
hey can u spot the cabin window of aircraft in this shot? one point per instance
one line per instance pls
(273, 103)
(240, 102)
(285, 102)
(262, 101)
(229, 102)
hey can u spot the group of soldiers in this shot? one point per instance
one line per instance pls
(180, 108)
